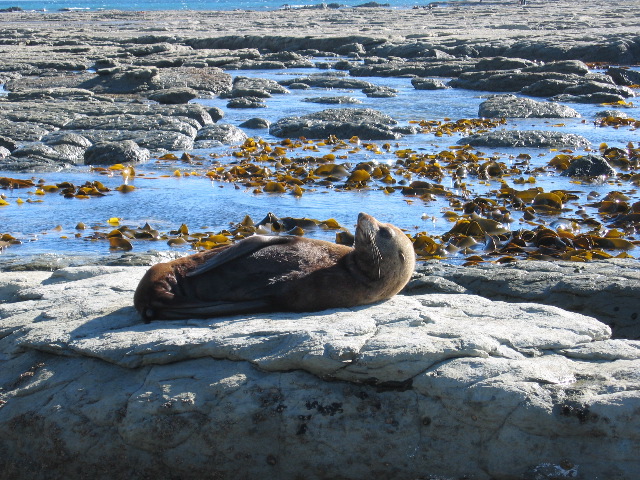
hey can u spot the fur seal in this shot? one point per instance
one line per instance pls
(280, 273)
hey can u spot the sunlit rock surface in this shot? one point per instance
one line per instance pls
(430, 384)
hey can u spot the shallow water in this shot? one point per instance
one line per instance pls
(165, 201)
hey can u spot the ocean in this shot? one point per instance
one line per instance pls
(141, 5)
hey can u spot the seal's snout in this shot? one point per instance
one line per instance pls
(365, 217)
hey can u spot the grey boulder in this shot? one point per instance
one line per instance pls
(589, 166)
(173, 96)
(526, 138)
(110, 153)
(510, 106)
(256, 123)
(223, 133)
(365, 123)
(427, 84)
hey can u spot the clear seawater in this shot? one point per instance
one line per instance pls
(141, 5)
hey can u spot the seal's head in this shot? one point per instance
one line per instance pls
(383, 252)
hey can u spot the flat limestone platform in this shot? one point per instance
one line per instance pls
(424, 386)
(498, 21)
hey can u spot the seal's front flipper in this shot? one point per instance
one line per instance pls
(195, 309)
(241, 249)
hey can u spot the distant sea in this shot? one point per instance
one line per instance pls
(138, 5)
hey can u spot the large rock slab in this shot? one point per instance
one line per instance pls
(445, 385)
(526, 138)
(510, 106)
(365, 123)
(110, 153)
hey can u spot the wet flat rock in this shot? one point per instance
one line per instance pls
(526, 138)
(510, 106)
(364, 123)
(422, 372)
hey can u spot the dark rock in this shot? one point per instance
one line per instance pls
(140, 74)
(254, 88)
(285, 56)
(337, 100)
(421, 69)
(503, 63)
(208, 80)
(23, 131)
(173, 96)
(34, 150)
(68, 153)
(510, 106)
(156, 140)
(588, 98)
(246, 92)
(351, 48)
(380, 92)
(298, 86)
(131, 80)
(216, 113)
(63, 138)
(36, 154)
(344, 65)
(575, 67)
(256, 123)
(331, 81)
(8, 143)
(106, 63)
(31, 164)
(344, 123)
(546, 88)
(121, 81)
(611, 113)
(144, 50)
(624, 76)
(509, 81)
(592, 87)
(246, 102)
(427, 84)
(224, 133)
(110, 153)
(256, 65)
(372, 5)
(50, 93)
(526, 138)
(132, 122)
(589, 166)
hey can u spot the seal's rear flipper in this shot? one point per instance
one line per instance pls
(240, 249)
(213, 309)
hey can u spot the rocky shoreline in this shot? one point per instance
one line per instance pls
(525, 370)
(76, 79)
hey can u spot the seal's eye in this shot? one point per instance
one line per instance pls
(386, 233)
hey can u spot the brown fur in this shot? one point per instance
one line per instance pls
(280, 273)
